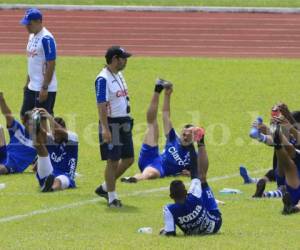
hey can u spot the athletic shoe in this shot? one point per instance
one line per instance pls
(260, 188)
(47, 187)
(163, 84)
(288, 207)
(129, 179)
(100, 191)
(115, 204)
(244, 175)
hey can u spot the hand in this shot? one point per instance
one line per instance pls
(44, 113)
(106, 134)
(263, 128)
(185, 172)
(43, 95)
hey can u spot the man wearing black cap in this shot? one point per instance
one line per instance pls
(41, 85)
(115, 126)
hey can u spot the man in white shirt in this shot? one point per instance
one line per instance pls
(116, 124)
(41, 85)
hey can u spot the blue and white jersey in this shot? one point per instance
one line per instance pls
(64, 156)
(112, 89)
(176, 157)
(40, 49)
(194, 216)
(20, 150)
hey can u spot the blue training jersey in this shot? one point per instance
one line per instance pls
(64, 156)
(20, 150)
(192, 216)
(176, 157)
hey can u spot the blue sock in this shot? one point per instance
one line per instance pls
(245, 176)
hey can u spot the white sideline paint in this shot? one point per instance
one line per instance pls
(91, 201)
(153, 8)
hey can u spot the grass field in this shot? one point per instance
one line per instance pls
(242, 3)
(223, 95)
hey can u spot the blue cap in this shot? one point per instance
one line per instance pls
(31, 14)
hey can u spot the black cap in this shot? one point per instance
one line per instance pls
(116, 51)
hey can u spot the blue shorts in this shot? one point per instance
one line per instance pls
(295, 194)
(3, 155)
(149, 157)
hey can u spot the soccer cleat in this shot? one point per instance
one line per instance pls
(162, 84)
(260, 188)
(47, 187)
(276, 136)
(288, 207)
(115, 204)
(129, 179)
(101, 192)
(244, 175)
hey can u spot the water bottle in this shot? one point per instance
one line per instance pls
(254, 133)
(145, 230)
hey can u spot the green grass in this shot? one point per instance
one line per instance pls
(223, 95)
(238, 3)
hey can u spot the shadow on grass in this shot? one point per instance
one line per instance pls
(124, 209)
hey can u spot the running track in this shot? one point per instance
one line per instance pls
(89, 33)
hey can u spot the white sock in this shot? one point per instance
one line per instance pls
(112, 196)
(44, 166)
(104, 186)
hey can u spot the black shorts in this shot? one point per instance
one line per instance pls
(30, 101)
(122, 144)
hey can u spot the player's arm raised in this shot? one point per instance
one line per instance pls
(5, 110)
(167, 111)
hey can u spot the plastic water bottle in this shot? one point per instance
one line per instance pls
(254, 131)
(145, 230)
(2, 186)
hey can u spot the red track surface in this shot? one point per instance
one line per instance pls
(161, 34)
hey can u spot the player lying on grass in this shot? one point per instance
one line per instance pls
(195, 211)
(263, 134)
(178, 151)
(287, 157)
(20, 152)
(57, 152)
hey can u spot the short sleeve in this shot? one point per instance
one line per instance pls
(49, 48)
(168, 221)
(101, 90)
(195, 188)
(172, 135)
(14, 127)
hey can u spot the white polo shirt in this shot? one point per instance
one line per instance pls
(112, 88)
(40, 49)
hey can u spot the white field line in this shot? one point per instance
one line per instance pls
(91, 201)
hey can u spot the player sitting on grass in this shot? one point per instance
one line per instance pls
(57, 153)
(195, 212)
(281, 112)
(20, 152)
(288, 157)
(178, 151)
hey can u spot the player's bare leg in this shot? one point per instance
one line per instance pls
(123, 165)
(147, 174)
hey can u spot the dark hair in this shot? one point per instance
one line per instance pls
(60, 121)
(177, 190)
(188, 126)
(296, 116)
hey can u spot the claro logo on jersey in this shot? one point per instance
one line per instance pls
(191, 216)
(56, 158)
(121, 93)
(173, 151)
